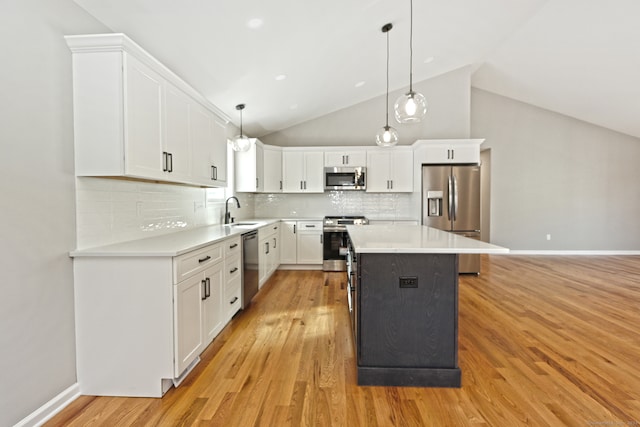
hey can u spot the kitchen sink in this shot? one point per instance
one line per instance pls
(242, 224)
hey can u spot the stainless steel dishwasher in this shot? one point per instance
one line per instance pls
(249, 267)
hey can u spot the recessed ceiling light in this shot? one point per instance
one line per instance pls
(359, 84)
(429, 59)
(254, 23)
(281, 77)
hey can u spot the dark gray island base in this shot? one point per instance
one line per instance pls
(403, 301)
(405, 318)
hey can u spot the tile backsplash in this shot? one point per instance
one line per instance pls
(115, 210)
(387, 206)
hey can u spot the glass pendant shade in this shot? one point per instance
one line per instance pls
(240, 143)
(410, 107)
(387, 136)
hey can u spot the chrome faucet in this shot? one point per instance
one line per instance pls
(227, 214)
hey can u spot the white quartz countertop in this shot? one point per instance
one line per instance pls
(415, 239)
(174, 244)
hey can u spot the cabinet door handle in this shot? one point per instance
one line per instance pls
(294, 229)
(208, 287)
(305, 185)
(275, 242)
(347, 156)
(233, 300)
(170, 166)
(257, 183)
(233, 270)
(321, 239)
(215, 173)
(164, 161)
(204, 290)
(391, 184)
(267, 244)
(212, 173)
(201, 260)
(235, 245)
(281, 184)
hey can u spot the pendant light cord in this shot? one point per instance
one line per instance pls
(411, 48)
(386, 106)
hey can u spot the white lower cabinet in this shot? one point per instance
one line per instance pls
(231, 300)
(191, 304)
(309, 248)
(301, 242)
(142, 321)
(269, 255)
(189, 321)
(288, 242)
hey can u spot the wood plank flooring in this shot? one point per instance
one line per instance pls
(543, 341)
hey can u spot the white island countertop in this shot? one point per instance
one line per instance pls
(415, 239)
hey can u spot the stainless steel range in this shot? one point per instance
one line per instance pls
(334, 249)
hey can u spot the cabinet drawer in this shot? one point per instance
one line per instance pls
(232, 301)
(268, 230)
(232, 268)
(309, 226)
(232, 246)
(195, 261)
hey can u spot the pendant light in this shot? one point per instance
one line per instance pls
(240, 142)
(412, 106)
(387, 136)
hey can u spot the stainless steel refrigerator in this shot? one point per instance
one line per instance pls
(451, 202)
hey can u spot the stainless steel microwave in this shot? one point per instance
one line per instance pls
(345, 178)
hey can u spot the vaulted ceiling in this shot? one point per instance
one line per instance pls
(577, 57)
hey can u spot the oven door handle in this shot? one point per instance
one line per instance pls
(334, 229)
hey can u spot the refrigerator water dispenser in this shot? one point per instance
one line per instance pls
(434, 203)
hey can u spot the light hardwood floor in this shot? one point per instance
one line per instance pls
(543, 341)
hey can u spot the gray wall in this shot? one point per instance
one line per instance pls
(448, 96)
(552, 174)
(37, 230)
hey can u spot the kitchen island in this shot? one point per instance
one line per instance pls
(403, 298)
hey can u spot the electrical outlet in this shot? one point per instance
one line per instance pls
(408, 281)
(548, 236)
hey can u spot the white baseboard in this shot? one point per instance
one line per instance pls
(541, 252)
(52, 407)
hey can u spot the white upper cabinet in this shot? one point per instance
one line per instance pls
(443, 151)
(272, 169)
(390, 170)
(302, 171)
(259, 169)
(339, 158)
(208, 147)
(134, 118)
(176, 152)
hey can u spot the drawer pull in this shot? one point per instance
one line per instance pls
(233, 300)
(233, 270)
(310, 225)
(235, 245)
(201, 260)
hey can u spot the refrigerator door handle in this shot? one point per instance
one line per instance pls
(450, 207)
(455, 198)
